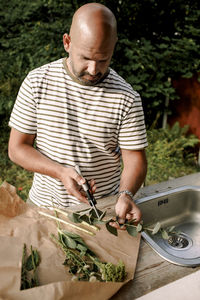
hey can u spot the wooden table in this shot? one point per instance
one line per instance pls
(152, 271)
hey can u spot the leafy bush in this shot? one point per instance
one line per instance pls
(31, 35)
(158, 40)
(170, 154)
(10, 172)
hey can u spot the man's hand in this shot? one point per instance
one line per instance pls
(132, 177)
(73, 184)
(126, 209)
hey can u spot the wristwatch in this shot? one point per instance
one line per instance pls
(126, 192)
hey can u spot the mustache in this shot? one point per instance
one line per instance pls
(94, 76)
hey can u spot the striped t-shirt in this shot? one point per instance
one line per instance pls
(78, 124)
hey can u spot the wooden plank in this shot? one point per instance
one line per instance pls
(152, 272)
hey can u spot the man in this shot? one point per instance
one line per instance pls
(77, 110)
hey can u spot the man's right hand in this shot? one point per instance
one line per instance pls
(73, 184)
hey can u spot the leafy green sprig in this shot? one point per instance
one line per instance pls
(29, 278)
(131, 226)
(83, 263)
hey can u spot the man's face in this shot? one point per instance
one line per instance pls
(88, 61)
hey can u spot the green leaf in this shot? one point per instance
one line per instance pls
(36, 258)
(70, 234)
(156, 228)
(165, 235)
(111, 229)
(139, 227)
(29, 263)
(80, 241)
(81, 248)
(170, 229)
(86, 218)
(96, 221)
(92, 213)
(132, 230)
(71, 243)
(74, 217)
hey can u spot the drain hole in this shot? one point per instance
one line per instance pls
(178, 241)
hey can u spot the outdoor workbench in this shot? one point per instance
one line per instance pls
(152, 271)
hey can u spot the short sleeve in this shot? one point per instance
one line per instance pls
(132, 133)
(23, 116)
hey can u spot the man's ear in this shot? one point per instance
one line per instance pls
(66, 41)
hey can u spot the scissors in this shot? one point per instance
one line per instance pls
(86, 188)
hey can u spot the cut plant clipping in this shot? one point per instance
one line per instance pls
(83, 263)
(91, 222)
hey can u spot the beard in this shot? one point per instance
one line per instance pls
(86, 77)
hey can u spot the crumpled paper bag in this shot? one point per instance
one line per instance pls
(23, 224)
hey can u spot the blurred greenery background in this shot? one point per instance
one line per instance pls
(159, 41)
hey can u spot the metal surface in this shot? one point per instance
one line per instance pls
(179, 207)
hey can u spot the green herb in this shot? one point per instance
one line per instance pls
(110, 228)
(30, 263)
(131, 226)
(90, 220)
(83, 263)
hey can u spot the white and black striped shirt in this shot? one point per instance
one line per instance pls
(78, 124)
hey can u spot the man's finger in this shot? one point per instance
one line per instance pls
(117, 226)
(120, 220)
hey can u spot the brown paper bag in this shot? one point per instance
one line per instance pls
(29, 227)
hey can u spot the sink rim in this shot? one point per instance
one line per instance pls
(188, 262)
(169, 192)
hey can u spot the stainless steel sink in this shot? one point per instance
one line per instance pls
(179, 207)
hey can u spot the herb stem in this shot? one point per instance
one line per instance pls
(65, 222)
(82, 222)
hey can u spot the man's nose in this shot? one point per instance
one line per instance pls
(92, 68)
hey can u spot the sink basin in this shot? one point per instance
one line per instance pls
(179, 207)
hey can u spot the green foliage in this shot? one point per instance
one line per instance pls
(158, 41)
(83, 263)
(29, 278)
(169, 154)
(31, 35)
(10, 172)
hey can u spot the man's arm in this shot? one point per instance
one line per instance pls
(22, 152)
(132, 177)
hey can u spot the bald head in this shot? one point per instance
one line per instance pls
(94, 21)
(91, 43)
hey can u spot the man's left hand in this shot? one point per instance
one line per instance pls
(126, 210)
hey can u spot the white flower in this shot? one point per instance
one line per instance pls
(93, 279)
(74, 278)
(103, 277)
(86, 267)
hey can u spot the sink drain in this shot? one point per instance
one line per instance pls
(178, 241)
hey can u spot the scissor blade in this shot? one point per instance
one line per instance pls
(95, 209)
